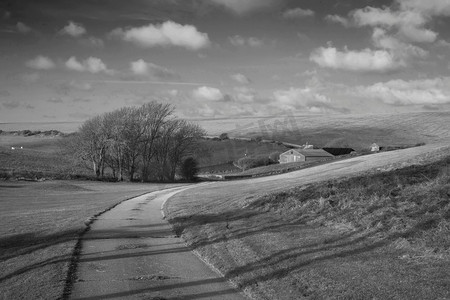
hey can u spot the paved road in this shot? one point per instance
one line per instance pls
(132, 253)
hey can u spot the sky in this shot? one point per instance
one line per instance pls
(67, 60)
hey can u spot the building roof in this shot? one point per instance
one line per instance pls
(309, 152)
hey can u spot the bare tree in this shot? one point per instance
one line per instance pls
(129, 139)
(92, 143)
(153, 116)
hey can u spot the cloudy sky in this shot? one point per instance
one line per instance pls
(67, 60)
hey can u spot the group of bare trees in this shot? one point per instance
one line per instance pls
(145, 143)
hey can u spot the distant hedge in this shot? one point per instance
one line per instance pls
(249, 162)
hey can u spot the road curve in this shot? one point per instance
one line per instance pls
(131, 252)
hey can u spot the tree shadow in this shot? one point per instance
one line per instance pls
(206, 295)
(25, 243)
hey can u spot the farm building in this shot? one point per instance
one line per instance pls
(296, 155)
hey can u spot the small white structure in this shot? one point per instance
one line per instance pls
(374, 147)
(308, 146)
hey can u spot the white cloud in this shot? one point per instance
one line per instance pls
(208, 93)
(409, 24)
(366, 60)
(338, 20)
(241, 78)
(41, 63)
(245, 94)
(294, 98)
(73, 29)
(240, 41)
(443, 43)
(242, 7)
(143, 68)
(298, 13)
(92, 65)
(401, 50)
(22, 28)
(414, 92)
(429, 7)
(166, 34)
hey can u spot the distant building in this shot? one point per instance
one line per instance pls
(374, 148)
(298, 155)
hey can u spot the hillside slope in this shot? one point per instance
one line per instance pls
(356, 131)
(357, 229)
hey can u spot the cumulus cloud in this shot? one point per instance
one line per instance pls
(429, 7)
(143, 68)
(41, 62)
(245, 94)
(298, 13)
(242, 7)
(240, 41)
(408, 24)
(92, 65)
(366, 60)
(338, 20)
(22, 28)
(295, 98)
(241, 78)
(403, 51)
(208, 93)
(165, 35)
(73, 29)
(305, 99)
(413, 92)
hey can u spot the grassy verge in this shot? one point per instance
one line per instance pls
(379, 235)
(40, 225)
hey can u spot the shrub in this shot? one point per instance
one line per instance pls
(189, 169)
(224, 136)
(275, 156)
(249, 162)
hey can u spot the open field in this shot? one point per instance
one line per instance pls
(40, 223)
(226, 151)
(353, 229)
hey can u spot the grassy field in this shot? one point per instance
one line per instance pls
(40, 223)
(384, 234)
(222, 152)
(39, 157)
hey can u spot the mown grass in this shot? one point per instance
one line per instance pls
(40, 223)
(379, 235)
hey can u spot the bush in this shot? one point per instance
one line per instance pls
(189, 169)
(246, 163)
(224, 136)
(275, 156)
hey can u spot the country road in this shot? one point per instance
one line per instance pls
(131, 252)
